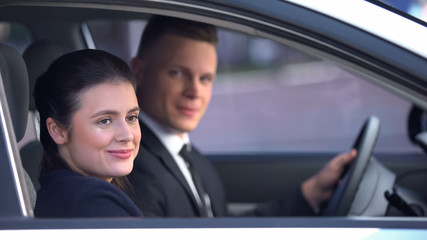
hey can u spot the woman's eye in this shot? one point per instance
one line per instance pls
(132, 118)
(104, 121)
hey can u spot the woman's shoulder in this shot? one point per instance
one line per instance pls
(72, 193)
(68, 178)
(67, 183)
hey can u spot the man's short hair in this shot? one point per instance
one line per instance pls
(158, 26)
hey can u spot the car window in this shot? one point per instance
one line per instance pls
(15, 35)
(415, 8)
(121, 38)
(269, 97)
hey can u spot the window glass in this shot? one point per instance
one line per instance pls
(15, 35)
(120, 38)
(268, 97)
(415, 8)
(272, 98)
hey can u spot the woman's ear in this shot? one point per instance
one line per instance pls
(57, 133)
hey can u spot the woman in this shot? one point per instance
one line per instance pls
(90, 135)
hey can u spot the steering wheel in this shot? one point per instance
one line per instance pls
(343, 196)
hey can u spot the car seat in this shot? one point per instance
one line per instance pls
(15, 83)
(38, 56)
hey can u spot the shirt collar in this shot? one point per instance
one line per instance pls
(170, 140)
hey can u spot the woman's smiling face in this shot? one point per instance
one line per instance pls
(104, 136)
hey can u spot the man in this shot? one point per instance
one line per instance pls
(175, 68)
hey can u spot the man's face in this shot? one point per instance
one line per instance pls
(175, 82)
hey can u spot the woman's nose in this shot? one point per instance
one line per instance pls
(124, 132)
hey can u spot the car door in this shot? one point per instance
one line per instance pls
(255, 171)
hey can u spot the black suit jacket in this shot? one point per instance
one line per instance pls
(162, 191)
(160, 188)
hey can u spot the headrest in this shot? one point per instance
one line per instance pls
(15, 80)
(38, 56)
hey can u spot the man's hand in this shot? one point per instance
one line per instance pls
(320, 187)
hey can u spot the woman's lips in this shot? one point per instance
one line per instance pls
(122, 154)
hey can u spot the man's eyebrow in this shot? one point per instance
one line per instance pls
(112, 112)
(177, 65)
(186, 69)
(209, 74)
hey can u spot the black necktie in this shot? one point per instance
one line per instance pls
(205, 208)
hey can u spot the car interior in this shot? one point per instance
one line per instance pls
(15, 84)
(385, 182)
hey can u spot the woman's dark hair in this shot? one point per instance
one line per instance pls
(58, 91)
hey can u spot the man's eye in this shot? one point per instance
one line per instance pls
(175, 73)
(104, 122)
(206, 79)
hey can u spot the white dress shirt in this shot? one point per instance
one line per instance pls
(173, 143)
